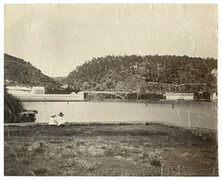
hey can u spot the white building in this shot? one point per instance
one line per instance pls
(80, 95)
(37, 90)
(38, 94)
(179, 96)
(17, 90)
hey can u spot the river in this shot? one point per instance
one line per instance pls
(185, 114)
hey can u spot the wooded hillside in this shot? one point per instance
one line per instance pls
(145, 74)
(22, 73)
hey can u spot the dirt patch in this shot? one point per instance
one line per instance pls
(108, 150)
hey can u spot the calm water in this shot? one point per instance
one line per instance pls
(184, 114)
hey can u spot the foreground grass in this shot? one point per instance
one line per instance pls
(107, 150)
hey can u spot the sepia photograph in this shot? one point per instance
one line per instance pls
(111, 90)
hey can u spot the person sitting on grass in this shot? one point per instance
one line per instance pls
(60, 119)
(52, 120)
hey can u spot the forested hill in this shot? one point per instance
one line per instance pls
(145, 74)
(22, 73)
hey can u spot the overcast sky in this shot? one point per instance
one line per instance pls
(57, 38)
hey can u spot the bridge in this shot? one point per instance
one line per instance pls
(120, 94)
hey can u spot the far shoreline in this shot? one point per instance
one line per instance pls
(128, 101)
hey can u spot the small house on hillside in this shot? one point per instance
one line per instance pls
(179, 96)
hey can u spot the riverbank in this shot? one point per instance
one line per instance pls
(108, 150)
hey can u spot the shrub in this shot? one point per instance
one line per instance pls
(12, 108)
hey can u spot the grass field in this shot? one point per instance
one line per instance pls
(107, 150)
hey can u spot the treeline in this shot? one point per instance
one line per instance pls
(145, 73)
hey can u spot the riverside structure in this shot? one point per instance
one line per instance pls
(37, 94)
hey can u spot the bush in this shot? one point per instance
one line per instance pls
(12, 108)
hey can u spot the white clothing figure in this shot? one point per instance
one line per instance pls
(52, 120)
(60, 119)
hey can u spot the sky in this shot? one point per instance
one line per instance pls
(56, 38)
